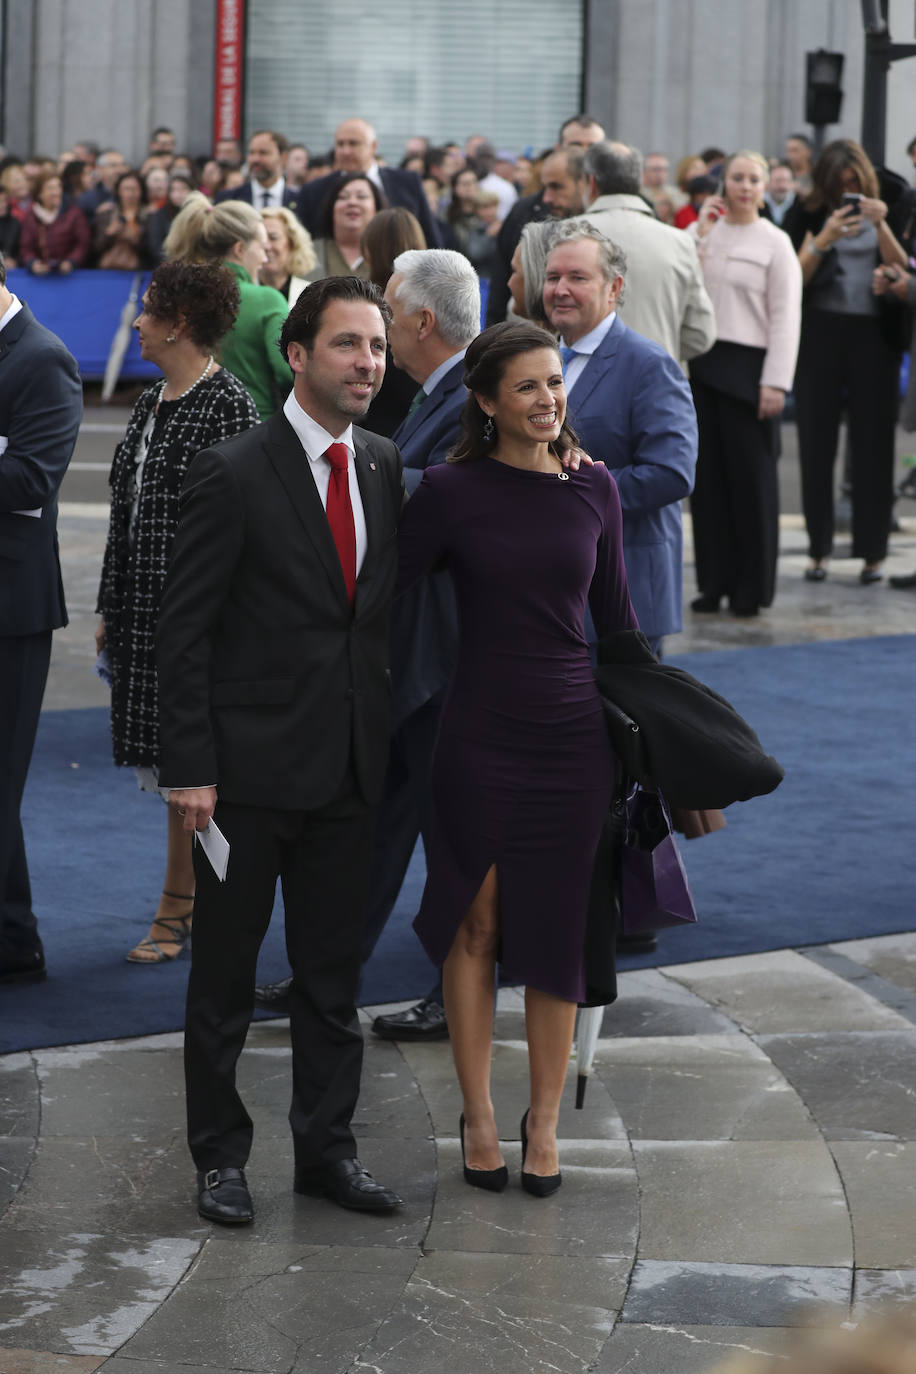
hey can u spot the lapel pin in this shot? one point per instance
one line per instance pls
(372, 466)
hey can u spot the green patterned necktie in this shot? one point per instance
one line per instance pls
(416, 402)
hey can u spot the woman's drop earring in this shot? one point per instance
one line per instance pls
(489, 430)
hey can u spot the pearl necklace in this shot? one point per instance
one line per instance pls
(189, 388)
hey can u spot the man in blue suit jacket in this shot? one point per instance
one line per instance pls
(434, 295)
(355, 148)
(41, 404)
(267, 187)
(631, 407)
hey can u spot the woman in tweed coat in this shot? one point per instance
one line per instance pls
(187, 309)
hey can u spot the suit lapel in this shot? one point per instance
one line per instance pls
(291, 465)
(12, 333)
(596, 367)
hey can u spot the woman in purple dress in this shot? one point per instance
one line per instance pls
(523, 770)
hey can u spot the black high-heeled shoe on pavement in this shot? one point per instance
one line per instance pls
(538, 1185)
(494, 1180)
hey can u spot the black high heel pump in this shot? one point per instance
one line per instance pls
(494, 1180)
(538, 1185)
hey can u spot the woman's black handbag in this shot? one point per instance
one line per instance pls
(732, 368)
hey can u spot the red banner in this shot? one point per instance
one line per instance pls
(230, 54)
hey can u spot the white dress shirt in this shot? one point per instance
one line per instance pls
(11, 310)
(268, 197)
(585, 347)
(316, 442)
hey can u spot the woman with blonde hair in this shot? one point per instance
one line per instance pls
(739, 390)
(290, 253)
(233, 234)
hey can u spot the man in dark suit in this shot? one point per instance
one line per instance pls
(266, 187)
(630, 404)
(41, 404)
(434, 296)
(272, 651)
(355, 148)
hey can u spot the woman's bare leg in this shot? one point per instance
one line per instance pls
(549, 1023)
(468, 982)
(179, 880)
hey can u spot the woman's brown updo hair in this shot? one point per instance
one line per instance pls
(485, 365)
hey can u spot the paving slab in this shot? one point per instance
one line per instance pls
(831, 958)
(47, 1362)
(742, 1202)
(135, 1093)
(650, 1003)
(883, 1289)
(16, 1155)
(734, 1294)
(266, 1306)
(703, 1087)
(595, 1213)
(857, 1086)
(893, 957)
(499, 1312)
(783, 991)
(85, 1293)
(880, 1183)
(661, 1349)
(20, 1096)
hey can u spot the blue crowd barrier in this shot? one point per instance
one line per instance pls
(84, 310)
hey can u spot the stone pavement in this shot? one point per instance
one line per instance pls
(745, 1157)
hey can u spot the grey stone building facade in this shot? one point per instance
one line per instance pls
(663, 74)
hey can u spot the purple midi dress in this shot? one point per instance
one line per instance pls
(523, 771)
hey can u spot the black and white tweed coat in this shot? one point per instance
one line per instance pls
(133, 576)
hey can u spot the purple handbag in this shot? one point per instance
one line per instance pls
(653, 884)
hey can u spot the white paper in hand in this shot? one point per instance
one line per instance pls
(216, 847)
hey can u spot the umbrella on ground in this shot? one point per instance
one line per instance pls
(587, 1028)
(121, 340)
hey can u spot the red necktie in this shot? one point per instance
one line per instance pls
(340, 515)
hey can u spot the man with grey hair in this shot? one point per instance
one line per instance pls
(434, 295)
(631, 406)
(666, 297)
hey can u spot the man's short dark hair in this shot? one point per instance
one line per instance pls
(162, 129)
(616, 173)
(911, 147)
(280, 140)
(304, 320)
(583, 119)
(798, 138)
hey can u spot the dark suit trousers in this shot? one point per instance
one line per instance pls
(404, 815)
(322, 860)
(24, 661)
(735, 500)
(846, 359)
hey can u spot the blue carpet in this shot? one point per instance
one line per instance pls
(828, 856)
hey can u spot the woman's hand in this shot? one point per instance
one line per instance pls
(872, 209)
(772, 402)
(100, 636)
(65, 268)
(837, 226)
(890, 281)
(572, 457)
(39, 268)
(713, 208)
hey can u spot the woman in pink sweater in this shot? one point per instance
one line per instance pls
(739, 388)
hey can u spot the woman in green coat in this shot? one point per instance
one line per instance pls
(233, 234)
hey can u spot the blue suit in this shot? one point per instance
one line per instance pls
(631, 407)
(424, 643)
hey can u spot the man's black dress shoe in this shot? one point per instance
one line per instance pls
(425, 1021)
(637, 944)
(903, 581)
(23, 968)
(274, 996)
(347, 1183)
(223, 1196)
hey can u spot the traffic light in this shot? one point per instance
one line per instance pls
(823, 93)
